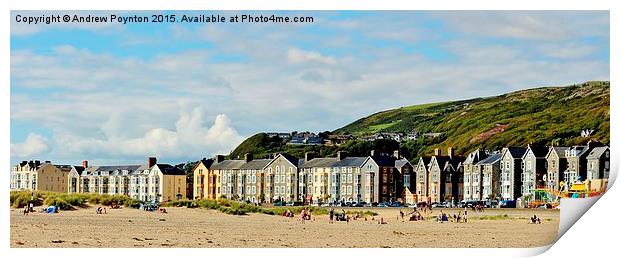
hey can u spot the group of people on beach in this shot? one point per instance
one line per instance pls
(458, 218)
(305, 215)
(101, 210)
(535, 219)
(29, 208)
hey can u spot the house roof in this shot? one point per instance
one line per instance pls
(79, 169)
(255, 164)
(320, 162)
(474, 157)
(538, 151)
(384, 161)
(558, 150)
(399, 163)
(168, 169)
(290, 158)
(597, 152)
(495, 157)
(516, 152)
(228, 164)
(350, 162)
(580, 150)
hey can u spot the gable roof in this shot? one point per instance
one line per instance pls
(228, 164)
(538, 151)
(294, 161)
(515, 152)
(78, 169)
(320, 162)
(400, 163)
(597, 152)
(474, 157)
(494, 157)
(384, 161)
(256, 164)
(168, 169)
(350, 162)
(558, 151)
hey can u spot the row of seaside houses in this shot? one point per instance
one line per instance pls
(505, 174)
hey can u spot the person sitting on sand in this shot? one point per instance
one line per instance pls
(381, 221)
(331, 216)
(26, 210)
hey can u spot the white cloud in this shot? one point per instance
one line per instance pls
(189, 138)
(34, 145)
(298, 56)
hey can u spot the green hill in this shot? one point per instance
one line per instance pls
(543, 115)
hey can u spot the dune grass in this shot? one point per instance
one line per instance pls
(72, 201)
(242, 208)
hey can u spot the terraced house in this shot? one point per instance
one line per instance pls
(346, 179)
(203, 180)
(556, 165)
(443, 178)
(598, 163)
(576, 159)
(147, 182)
(472, 172)
(36, 176)
(490, 168)
(226, 173)
(315, 180)
(406, 172)
(511, 170)
(534, 169)
(422, 183)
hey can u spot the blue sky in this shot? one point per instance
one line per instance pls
(114, 93)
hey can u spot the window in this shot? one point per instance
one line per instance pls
(529, 164)
(350, 178)
(406, 180)
(349, 189)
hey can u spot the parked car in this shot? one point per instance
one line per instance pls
(439, 205)
(491, 204)
(395, 204)
(383, 205)
(279, 204)
(317, 204)
(360, 204)
(508, 204)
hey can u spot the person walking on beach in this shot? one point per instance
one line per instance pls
(402, 215)
(331, 216)
(465, 215)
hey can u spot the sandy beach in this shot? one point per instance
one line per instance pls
(183, 227)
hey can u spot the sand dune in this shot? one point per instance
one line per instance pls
(182, 227)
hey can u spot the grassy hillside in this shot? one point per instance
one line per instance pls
(541, 115)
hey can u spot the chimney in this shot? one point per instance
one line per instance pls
(48, 162)
(437, 152)
(85, 163)
(151, 161)
(247, 157)
(341, 155)
(450, 152)
(307, 156)
(372, 153)
(219, 158)
(396, 154)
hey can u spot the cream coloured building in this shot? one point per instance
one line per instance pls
(36, 176)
